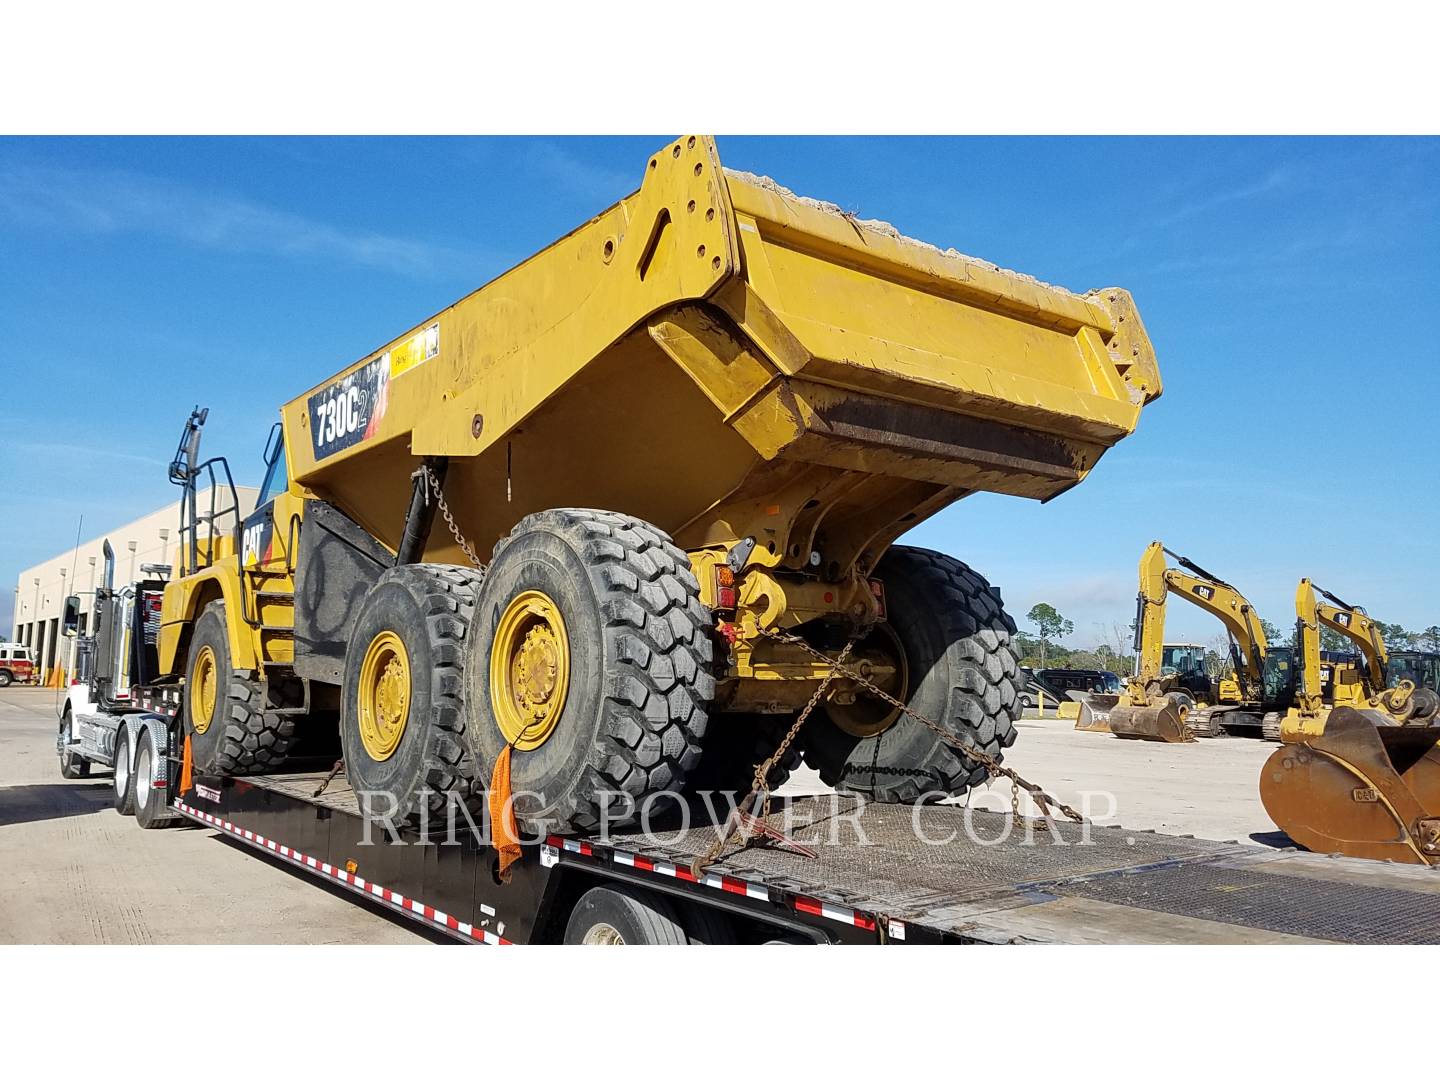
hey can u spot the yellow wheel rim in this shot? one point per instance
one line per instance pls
(205, 681)
(529, 670)
(881, 659)
(384, 697)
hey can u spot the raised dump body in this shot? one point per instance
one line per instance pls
(752, 395)
(713, 346)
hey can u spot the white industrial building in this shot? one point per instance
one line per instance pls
(40, 590)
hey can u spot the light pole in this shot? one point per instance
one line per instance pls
(68, 642)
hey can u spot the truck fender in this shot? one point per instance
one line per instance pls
(159, 727)
(190, 595)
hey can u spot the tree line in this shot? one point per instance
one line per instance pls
(1043, 648)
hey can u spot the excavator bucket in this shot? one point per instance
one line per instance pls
(1365, 787)
(1163, 720)
(1091, 711)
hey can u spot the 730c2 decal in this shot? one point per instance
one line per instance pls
(349, 410)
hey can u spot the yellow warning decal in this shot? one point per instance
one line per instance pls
(412, 353)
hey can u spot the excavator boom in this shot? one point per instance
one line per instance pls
(1147, 710)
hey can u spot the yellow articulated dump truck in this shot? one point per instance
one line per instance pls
(616, 508)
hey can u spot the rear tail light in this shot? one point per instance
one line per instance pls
(877, 590)
(726, 596)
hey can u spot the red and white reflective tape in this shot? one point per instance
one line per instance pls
(725, 883)
(351, 881)
(846, 915)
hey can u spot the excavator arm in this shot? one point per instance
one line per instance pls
(1355, 626)
(1205, 591)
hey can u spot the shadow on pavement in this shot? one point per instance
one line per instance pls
(422, 931)
(1275, 839)
(50, 802)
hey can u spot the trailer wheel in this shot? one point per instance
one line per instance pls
(961, 672)
(123, 781)
(705, 925)
(72, 765)
(231, 732)
(403, 718)
(620, 915)
(150, 809)
(591, 657)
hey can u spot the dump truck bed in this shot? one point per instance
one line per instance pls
(737, 338)
(995, 884)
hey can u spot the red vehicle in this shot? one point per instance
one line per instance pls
(16, 663)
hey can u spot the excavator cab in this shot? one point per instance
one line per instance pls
(1358, 775)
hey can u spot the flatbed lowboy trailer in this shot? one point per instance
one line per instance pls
(907, 879)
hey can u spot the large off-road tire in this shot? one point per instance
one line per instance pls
(122, 782)
(403, 713)
(151, 809)
(962, 673)
(732, 748)
(231, 732)
(72, 765)
(621, 915)
(591, 656)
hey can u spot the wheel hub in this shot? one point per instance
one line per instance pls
(384, 695)
(206, 680)
(529, 670)
(880, 658)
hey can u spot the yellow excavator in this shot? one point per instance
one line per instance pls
(1158, 700)
(1358, 774)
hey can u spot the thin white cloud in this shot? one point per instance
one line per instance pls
(85, 453)
(584, 179)
(1274, 180)
(98, 201)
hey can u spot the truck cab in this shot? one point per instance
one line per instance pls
(17, 663)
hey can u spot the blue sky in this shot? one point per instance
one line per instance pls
(1291, 288)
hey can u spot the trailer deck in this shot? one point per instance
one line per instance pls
(880, 872)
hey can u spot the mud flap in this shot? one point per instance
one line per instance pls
(1365, 787)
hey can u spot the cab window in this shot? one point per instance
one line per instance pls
(276, 478)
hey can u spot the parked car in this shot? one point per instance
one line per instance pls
(1087, 680)
(16, 663)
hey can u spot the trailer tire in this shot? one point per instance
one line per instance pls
(72, 766)
(704, 925)
(123, 782)
(964, 675)
(622, 645)
(150, 809)
(240, 736)
(621, 915)
(414, 622)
